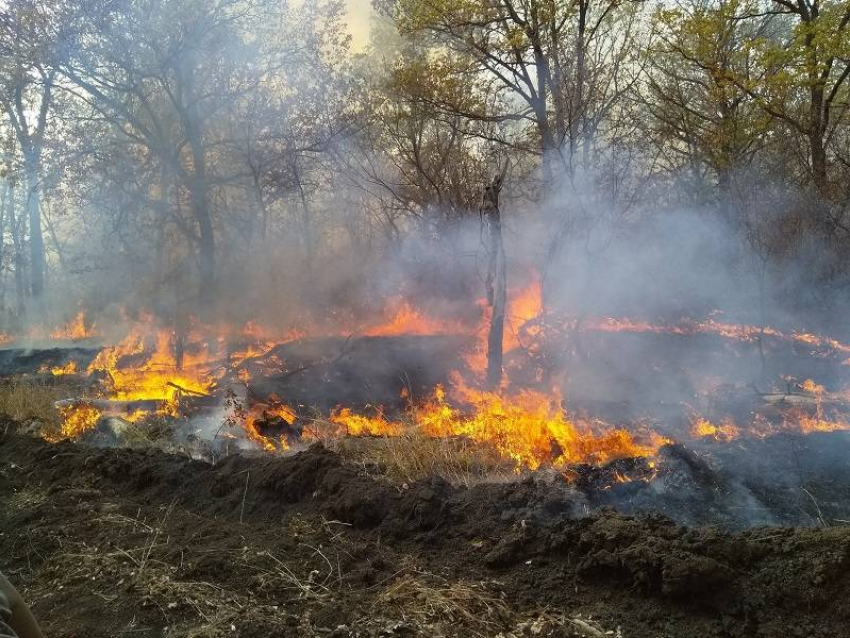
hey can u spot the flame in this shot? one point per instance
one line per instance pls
(529, 427)
(405, 319)
(155, 376)
(703, 428)
(75, 330)
(524, 305)
(68, 368)
(79, 419)
(809, 424)
(736, 332)
(812, 388)
(266, 412)
(361, 425)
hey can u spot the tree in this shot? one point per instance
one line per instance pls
(26, 93)
(703, 121)
(558, 66)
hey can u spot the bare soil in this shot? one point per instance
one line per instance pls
(119, 542)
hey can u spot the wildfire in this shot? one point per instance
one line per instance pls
(361, 425)
(75, 330)
(141, 368)
(809, 424)
(703, 428)
(152, 370)
(79, 419)
(531, 428)
(68, 368)
(405, 319)
(268, 414)
(735, 332)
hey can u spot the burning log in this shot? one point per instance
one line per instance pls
(112, 406)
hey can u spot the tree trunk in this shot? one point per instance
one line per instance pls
(197, 181)
(818, 151)
(200, 209)
(17, 227)
(496, 282)
(37, 260)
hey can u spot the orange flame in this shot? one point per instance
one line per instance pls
(79, 419)
(528, 427)
(703, 428)
(361, 425)
(266, 412)
(75, 330)
(405, 319)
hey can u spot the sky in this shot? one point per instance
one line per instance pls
(359, 15)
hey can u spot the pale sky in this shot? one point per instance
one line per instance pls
(359, 13)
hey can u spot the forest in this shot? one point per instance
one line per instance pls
(165, 154)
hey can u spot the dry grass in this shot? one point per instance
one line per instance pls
(424, 599)
(139, 559)
(412, 456)
(26, 401)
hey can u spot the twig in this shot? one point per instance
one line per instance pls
(817, 507)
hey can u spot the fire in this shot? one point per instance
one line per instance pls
(360, 425)
(524, 305)
(152, 371)
(75, 330)
(269, 413)
(79, 419)
(405, 319)
(809, 424)
(735, 332)
(68, 368)
(812, 388)
(141, 368)
(528, 427)
(703, 428)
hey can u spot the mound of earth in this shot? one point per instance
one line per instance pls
(127, 542)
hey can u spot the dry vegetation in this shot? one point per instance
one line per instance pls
(402, 459)
(412, 456)
(31, 404)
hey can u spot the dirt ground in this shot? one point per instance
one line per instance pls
(118, 542)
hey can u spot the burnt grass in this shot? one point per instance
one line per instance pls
(117, 542)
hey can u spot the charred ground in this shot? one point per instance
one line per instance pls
(106, 542)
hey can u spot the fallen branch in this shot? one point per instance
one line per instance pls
(187, 390)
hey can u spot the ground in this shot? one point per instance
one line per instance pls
(119, 542)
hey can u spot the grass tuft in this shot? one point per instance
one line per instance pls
(25, 402)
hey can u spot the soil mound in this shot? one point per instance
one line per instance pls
(273, 540)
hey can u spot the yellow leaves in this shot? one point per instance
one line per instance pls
(516, 38)
(421, 15)
(439, 79)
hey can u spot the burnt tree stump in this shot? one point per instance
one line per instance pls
(496, 282)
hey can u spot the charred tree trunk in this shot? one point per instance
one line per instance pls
(497, 279)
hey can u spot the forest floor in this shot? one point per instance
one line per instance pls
(140, 543)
